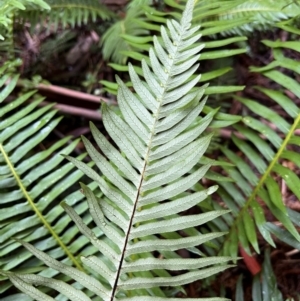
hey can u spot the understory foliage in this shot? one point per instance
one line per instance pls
(32, 182)
(268, 141)
(118, 237)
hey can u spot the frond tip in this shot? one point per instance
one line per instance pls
(147, 182)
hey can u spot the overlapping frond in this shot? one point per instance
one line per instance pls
(66, 13)
(146, 184)
(268, 142)
(112, 42)
(251, 15)
(242, 17)
(31, 184)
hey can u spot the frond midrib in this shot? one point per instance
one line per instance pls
(35, 209)
(263, 179)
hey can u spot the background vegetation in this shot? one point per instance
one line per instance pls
(251, 62)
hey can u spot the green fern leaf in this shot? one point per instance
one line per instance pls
(31, 182)
(112, 42)
(265, 147)
(66, 13)
(261, 15)
(241, 17)
(144, 185)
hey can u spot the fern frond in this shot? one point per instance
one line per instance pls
(31, 182)
(242, 17)
(146, 185)
(269, 140)
(261, 15)
(112, 41)
(66, 13)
